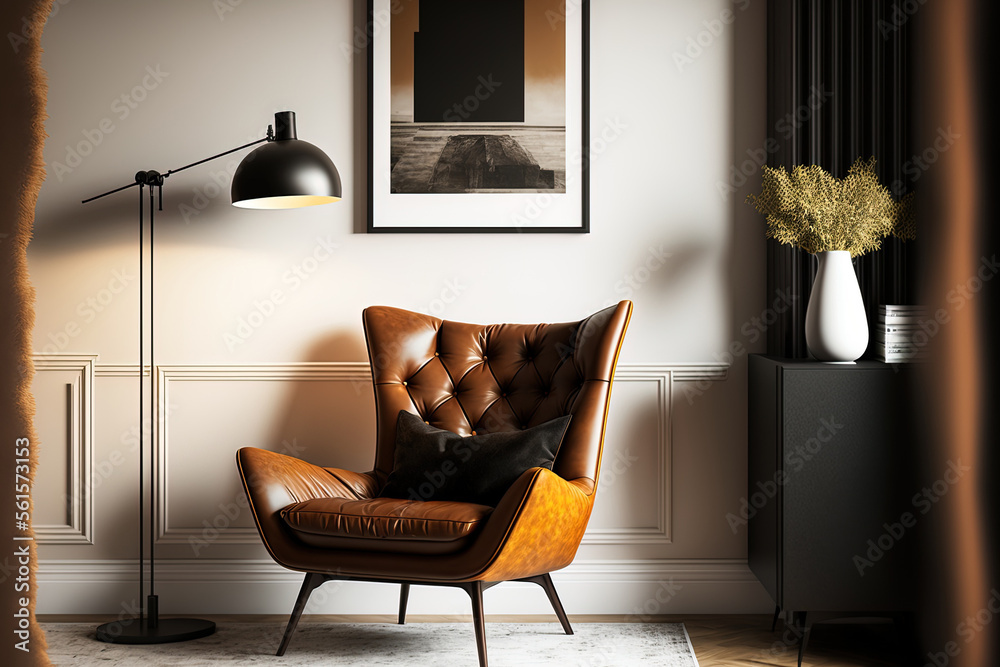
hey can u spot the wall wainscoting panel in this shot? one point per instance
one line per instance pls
(67, 443)
(650, 381)
(120, 371)
(640, 431)
(605, 526)
(637, 590)
(221, 523)
(206, 412)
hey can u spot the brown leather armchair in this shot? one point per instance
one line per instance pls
(465, 378)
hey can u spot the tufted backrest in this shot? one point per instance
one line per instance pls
(470, 378)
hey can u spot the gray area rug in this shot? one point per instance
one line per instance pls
(439, 644)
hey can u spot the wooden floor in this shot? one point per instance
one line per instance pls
(747, 640)
(719, 641)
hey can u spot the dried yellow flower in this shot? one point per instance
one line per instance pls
(812, 210)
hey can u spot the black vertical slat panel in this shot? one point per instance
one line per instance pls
(872, 284)
(800, 266)
(839, 46)
(834, 53)
(774, 77)
(788, 71)
(902, 277)
(799, 74)
(910, 272)
(814, 51)
(856, 55)
(892, 289)
(867, 266)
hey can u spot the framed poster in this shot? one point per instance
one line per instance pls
(478, 116)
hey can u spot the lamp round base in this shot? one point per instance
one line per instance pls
(135, 631)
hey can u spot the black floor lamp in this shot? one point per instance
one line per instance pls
(284, 173)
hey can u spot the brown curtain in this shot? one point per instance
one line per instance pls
(22, 135)
(955, 57)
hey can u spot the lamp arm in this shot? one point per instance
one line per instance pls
(151, 177)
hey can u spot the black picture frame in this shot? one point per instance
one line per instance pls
(374, 34)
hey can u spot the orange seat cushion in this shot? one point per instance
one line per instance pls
(386, 524)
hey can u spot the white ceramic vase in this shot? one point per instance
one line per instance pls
(836, 324)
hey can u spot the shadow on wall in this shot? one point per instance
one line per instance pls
(629, 465)
(329, 420)
(70, 227)
(746, 254)
(676, 264)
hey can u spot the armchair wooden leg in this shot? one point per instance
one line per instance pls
(311, 582)
(475, 591)
(404, 595)
(545, 581)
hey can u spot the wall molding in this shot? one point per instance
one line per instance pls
(120, 370)
(261, 586)
(694, 371)
(80, 449)
(661, 532)
(328, 371)
(306, 370)
(664, 375)
(79, 530)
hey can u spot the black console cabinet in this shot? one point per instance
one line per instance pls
(830, 476)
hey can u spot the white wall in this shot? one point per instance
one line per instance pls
(684, 81)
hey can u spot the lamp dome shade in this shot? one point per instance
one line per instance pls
(288, 173)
